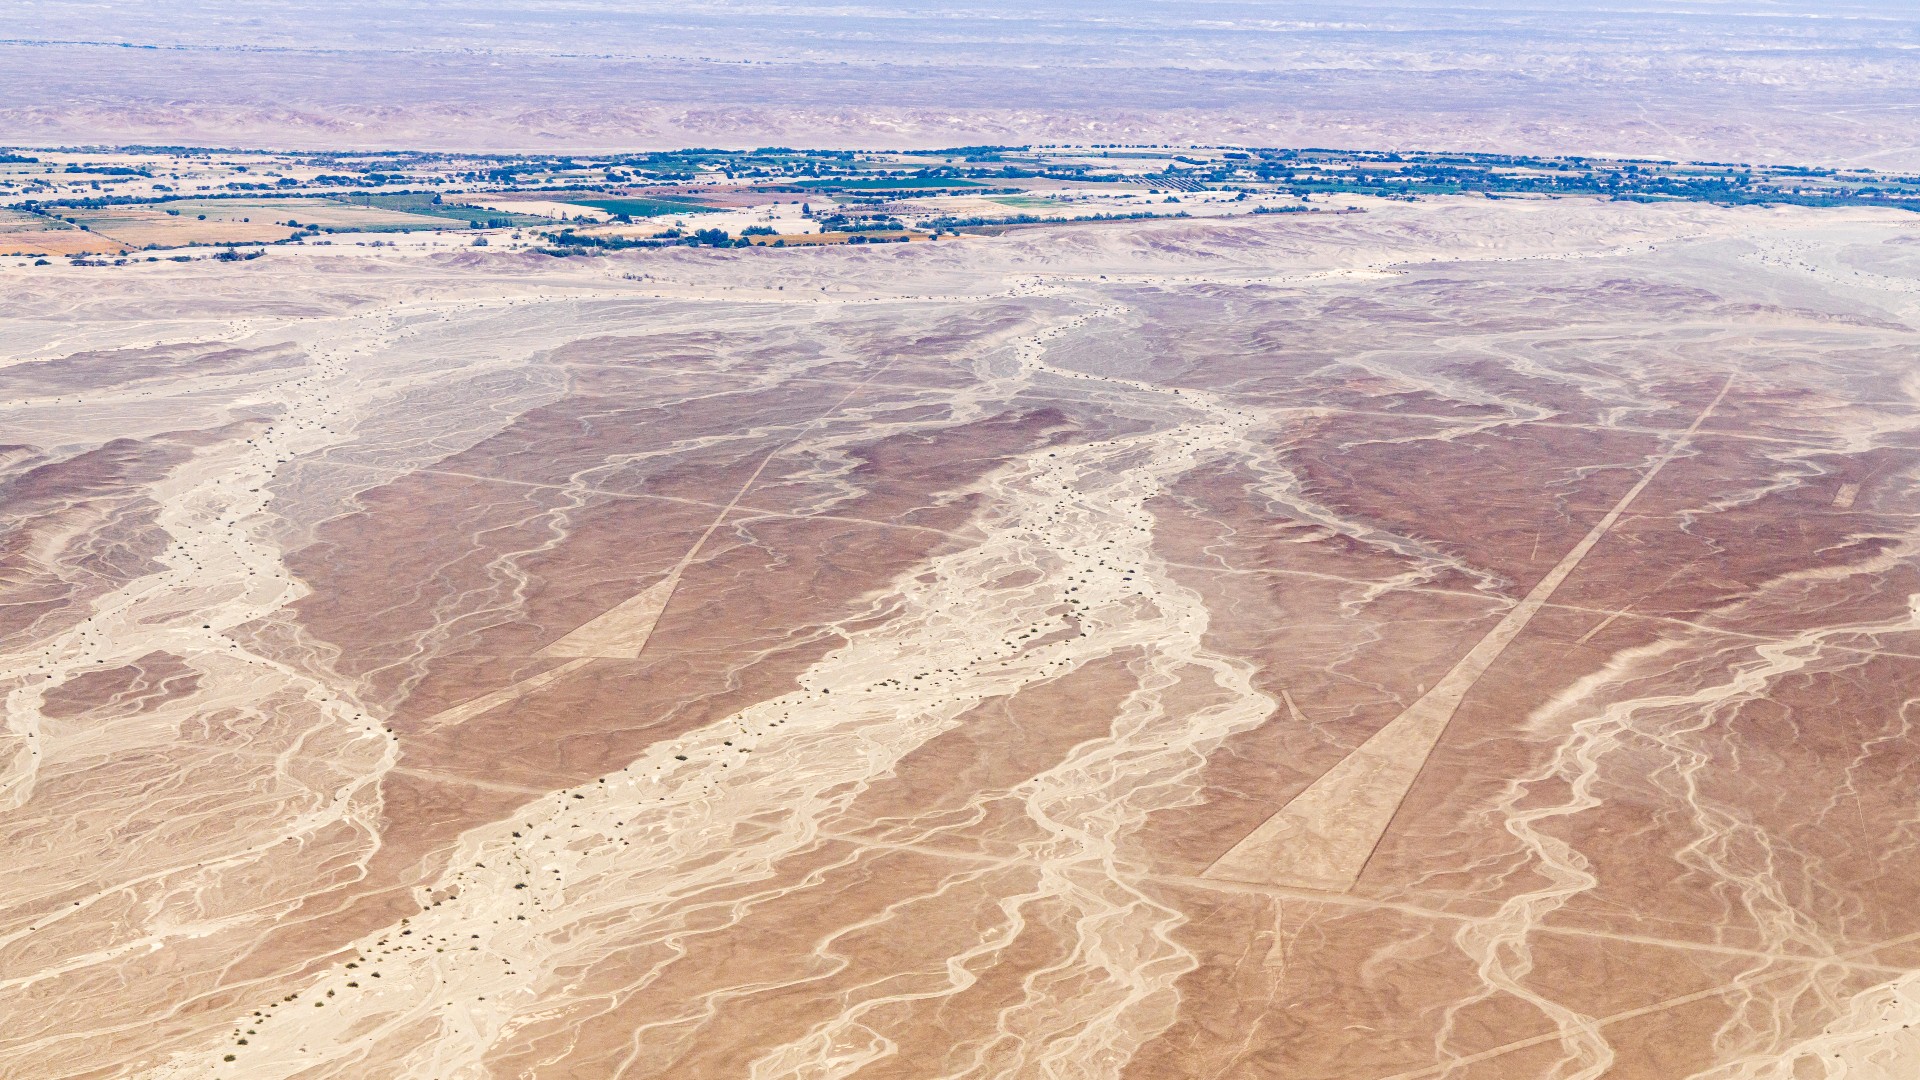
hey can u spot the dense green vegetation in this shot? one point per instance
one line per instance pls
(1309, 172)
(961, 223)
(433, 206)
(569, 242)
(855, 195)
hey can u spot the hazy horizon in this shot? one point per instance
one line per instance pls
(1762, 82)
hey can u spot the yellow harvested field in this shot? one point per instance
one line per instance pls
(139, 226)
(325, 213)
(56, 242)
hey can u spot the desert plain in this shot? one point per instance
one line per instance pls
(1471, 639)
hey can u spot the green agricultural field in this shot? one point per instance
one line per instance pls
(420, 203)
(639, 207)
(266, 219)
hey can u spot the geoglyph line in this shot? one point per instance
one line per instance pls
(658, 846)
(1324, 836)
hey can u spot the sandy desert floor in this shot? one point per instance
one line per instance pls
(1471, 639)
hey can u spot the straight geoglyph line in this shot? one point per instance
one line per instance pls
(1324, 836)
